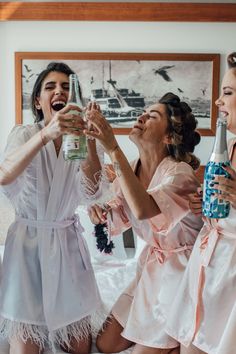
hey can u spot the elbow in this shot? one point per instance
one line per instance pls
(4, 181)
(143, 214)
(140, 215)
(4, 178)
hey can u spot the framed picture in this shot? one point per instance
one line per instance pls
(123, 84)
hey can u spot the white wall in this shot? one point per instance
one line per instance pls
(106, 37)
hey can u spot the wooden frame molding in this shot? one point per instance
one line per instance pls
(213, 88)
(117, 11)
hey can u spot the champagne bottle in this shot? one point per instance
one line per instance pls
(213, 206)
(74, 147)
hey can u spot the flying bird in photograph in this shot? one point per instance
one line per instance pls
(27, 68)
(162, 71)
(27, 79)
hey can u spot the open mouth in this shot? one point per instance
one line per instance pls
(137, 127)
(58, 105)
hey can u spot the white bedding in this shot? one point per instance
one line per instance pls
(112, 275)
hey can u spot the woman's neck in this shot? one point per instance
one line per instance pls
(148, 165)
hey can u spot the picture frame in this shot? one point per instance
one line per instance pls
(125, 83)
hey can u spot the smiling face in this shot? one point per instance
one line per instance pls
(227, 100)
(151, 127)
(53, 95)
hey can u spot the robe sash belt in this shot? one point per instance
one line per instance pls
(209, 241)
(162, 254)
(49, 225)
(44, 223)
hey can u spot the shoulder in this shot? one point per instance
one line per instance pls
(24, 131)
(231, 144)
(19, 135)
(173, 167)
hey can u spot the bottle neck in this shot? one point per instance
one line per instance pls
(74, 91)
(220, 152)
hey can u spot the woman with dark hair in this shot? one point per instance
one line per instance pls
(48, 285)
(152, 197)
(204, 311)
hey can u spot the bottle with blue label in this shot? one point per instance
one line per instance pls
(213, 206)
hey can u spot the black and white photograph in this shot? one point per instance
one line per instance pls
(123, 84)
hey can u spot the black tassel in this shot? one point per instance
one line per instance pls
(101, 234)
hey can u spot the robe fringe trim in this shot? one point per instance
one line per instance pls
(39, 334)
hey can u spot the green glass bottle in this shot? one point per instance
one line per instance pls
(74, 147)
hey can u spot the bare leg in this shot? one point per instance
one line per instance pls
(191, 350)
(141, 349)
(175, 351)
(79, 347)
(19, 347)
(109, 339)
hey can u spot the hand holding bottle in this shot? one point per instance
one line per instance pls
(195, 202)
(92, 106)
(64, 122)
(227, 187)
(102, 130)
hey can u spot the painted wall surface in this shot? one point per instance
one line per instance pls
(163, 37)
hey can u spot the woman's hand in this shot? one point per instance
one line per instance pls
(226, 187)
(100, 128)
(91, 107)
(97, 214)
(195, 202)
(68, 120)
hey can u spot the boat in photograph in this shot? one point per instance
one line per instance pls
(118, 105)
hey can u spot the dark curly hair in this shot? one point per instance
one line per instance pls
(53, 66)
(231, 60)
(181, 127)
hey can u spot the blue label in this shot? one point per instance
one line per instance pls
(213, 206)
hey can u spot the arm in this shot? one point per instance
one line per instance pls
(16, 162)
(91, 167)
(139, 201)
(18, 159)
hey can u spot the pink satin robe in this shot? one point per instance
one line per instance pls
(204, 311)
(143, 307)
